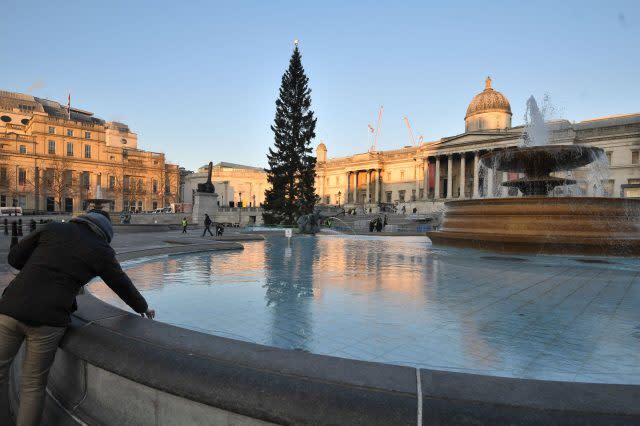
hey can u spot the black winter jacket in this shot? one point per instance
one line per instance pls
(54, 263)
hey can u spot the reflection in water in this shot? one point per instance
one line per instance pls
(399, 300)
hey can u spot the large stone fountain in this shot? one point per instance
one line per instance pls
(537, 222)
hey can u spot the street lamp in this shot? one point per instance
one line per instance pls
(339, 195)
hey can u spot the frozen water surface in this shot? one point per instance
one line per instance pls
(398, 300)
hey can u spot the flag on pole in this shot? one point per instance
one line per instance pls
(69, 107)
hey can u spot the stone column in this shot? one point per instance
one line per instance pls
(415, 170)
(490, 181)
(462, 175)
(348, 191)
(425, 175)
(355, 188)
(368, 185)
(476, 174)
(377, 194)
(503, 189)
(436, 195)
(450, 176)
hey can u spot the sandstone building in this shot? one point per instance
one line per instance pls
(54, 159)
(424, 176)
(236, 185)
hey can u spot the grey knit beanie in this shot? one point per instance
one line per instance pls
(101, 220)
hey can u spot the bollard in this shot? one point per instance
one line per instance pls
(20, 234)
(14, 235)
(6, 226)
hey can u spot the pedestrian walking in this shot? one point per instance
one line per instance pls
(207, 224)
(184, 225)
(54, 263)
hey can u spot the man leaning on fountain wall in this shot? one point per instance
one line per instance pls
(54, 263)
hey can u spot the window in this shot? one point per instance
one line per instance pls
(634, 157)
(155, 186)
(337, 180)
(22, 177)
(402, 175)
(112, 182)
(69, 132)
(3, 201)
(23, 149)
(85, 180)
(123, 141)
(126, 182)
(154, 205)
(69, 149)
(52, 130)
(87, 151)
(3, 176)
(413, 195)
(328, 183)
(421, 193)
(609, 155)
(125, 154)
(6, 119)
(87, 135)
(388, 196)
(388, 176)
(52, 147)
(22, 201)
(401, 195)
(327, 199)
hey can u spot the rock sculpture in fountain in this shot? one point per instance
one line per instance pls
(537, 222)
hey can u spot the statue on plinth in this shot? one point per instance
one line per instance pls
(208, 185)
(205, 200)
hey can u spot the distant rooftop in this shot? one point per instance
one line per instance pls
(224, 164)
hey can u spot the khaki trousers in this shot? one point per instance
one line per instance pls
(41, 345)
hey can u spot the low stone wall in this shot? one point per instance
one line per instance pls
(115, 367)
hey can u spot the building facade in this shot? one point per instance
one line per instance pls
(54, 159)
(423, 177)
(236, 185)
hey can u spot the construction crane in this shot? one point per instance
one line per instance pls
(411, 138)
(376, 132)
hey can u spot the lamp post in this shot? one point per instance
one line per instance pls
(339, 195)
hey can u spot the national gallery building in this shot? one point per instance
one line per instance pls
(53, 158)
(425, 176)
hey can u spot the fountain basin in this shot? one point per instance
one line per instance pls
(567, 225)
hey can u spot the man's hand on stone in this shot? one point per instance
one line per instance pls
(149, 313)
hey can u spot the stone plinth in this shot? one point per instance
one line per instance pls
(205, 202)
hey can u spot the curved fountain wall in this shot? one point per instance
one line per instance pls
(114, 367)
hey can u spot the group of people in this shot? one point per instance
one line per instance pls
(377, 223)
(207, 226)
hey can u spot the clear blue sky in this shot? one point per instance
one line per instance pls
(198, 80)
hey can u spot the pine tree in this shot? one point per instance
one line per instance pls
(292, 166)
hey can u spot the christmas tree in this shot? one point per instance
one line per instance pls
(291, 171)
